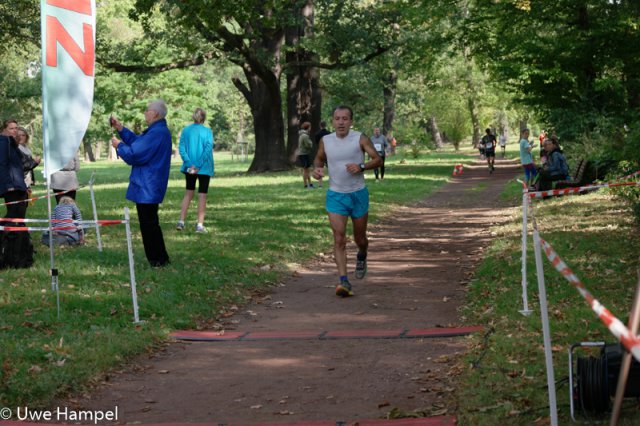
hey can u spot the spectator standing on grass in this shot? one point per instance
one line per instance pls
(541, 137)
(343, 151)
(503, 143)
(304, 154)
(526, 158)
(64, 182)
(29, 161)
(196, 150)
(392, 143)
(316, 139)
(16, 249)
(381, 144)
(149, 155)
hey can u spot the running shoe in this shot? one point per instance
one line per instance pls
(201, 229)
(361, 268)
(180, 226)
(344, 289)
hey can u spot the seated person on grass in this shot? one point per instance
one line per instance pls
(555, 168)
(65, 215)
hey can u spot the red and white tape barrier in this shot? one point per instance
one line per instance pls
(556, 192)
(73, 225)
(615, 326)
(634, 174)
(457, 169)
(53, 194)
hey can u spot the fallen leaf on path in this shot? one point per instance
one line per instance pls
(284, 413)
(163, 371)
(256, 407)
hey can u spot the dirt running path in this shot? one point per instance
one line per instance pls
(419, 264)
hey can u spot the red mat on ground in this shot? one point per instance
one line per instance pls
(214, 336)
(425, 421)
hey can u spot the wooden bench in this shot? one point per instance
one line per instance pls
(578, 178)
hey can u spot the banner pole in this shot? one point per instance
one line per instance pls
(54, 272)
(95, 211)
(546, 333)
(525, 209)
(132, 273)
(634, 319)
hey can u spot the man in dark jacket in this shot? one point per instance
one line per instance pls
(149, 155)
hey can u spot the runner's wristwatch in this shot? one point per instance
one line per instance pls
(361, 167)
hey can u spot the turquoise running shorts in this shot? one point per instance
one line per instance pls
(352, 204)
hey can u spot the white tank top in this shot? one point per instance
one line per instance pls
(340, 152)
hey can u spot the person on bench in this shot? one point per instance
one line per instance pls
(555, 168)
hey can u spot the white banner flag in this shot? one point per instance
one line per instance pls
(68, 70)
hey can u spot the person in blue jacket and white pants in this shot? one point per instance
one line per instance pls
(149, 155)
(196, 149)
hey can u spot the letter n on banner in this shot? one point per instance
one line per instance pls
(68, 58)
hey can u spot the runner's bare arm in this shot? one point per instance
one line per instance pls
(375, 161)
(367, 146)
(319, 161)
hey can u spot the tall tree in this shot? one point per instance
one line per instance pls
(579, 71)
(304, 100)
(252, 34)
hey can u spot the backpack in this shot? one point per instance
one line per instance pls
(16, 249)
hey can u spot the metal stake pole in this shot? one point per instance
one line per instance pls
(132, 272)
(546, 332)
(525, 301)
(626, 358)
(95, 212)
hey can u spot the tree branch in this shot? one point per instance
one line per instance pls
(337, 65)
(242, 88)
(186, 63)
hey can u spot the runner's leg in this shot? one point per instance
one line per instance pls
(339, 227)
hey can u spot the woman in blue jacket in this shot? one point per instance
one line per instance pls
(196, 150)
(149, 155)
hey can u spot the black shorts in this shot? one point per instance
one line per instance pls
(489, 152)
(203, 182)
(304, 161)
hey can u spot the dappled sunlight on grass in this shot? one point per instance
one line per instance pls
(260, 225)
(596, 236)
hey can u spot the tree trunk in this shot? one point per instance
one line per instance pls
(98, 151)
(523, 124)
(435, 132)
(88, 151)
(389, 93)
(475, 121)
(265, 101)
(304, 99)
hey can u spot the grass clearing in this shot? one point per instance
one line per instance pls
(261, 226)
(596, 236)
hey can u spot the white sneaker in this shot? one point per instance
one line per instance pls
(201, 229)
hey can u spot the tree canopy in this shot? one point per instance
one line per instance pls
(408, 67)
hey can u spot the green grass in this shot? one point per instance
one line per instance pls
(254, 220)
(504, 379)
